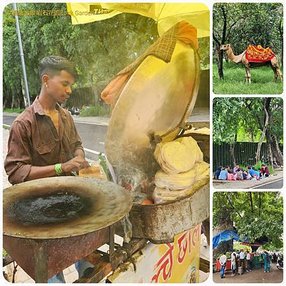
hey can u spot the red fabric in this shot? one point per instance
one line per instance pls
(258, 54)
(112, 91)
(227, 266)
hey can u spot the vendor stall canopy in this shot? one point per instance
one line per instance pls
(226, 235)
(165, 14)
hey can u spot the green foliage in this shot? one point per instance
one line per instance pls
(13, 110)
(238, 246)
(258, 165)
(246, 23)
(99, 49)
(242, 24)
(235, 119)
(225, 123)
(262, 81)
(254, 214)
(97, 110)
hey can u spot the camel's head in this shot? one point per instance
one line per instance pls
(225, 47)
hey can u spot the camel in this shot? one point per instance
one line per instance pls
(241, 58)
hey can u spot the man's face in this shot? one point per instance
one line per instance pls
(59, 86)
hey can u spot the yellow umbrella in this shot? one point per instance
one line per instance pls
(165, 14)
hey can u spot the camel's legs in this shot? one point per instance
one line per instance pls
(276, 70)
(247, 74)
(279, 74)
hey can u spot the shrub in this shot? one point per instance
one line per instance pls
(13, 110)
(97, 110)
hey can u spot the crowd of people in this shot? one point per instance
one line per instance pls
(241, 262)
(238, 173)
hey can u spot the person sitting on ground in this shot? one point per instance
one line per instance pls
(264, 171)
(236, 168)
(253, 173)
(246, 175)
(217, 173)
(238, 172)
(228, 169)
(223, 174)
(239, 175)
(231, 176)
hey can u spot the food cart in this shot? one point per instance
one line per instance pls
(161, 241)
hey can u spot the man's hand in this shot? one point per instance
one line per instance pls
(74, 165)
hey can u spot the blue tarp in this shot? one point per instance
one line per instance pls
(226, 235)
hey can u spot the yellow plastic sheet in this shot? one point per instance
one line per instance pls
(165, 14)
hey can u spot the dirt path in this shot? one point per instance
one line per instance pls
(256, 275)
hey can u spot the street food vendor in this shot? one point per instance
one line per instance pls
(43, 141)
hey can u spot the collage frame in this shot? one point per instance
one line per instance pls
(216, 95)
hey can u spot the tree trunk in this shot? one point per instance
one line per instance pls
(220, 63)
(251, 202)
(281, 39)
(277, 154)
(266, 122)
(13, 100)
(232, 150)
(219, 56)
(269, 148)
(219, 43)
(260, 204)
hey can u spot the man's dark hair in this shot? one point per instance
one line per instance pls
(55, 64)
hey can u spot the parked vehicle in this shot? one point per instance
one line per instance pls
(74, 110)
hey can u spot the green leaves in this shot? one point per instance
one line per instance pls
(99, 49)
(254, 214)
(247, 23)
(244, 117)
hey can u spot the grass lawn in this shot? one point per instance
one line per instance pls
(262, 80)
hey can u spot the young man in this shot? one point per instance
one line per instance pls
(43, 140)
(242, 259)
(222, 261)
(248, 261)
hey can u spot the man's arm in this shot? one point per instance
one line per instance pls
(18, 160)
(18, 163)
(73, 165)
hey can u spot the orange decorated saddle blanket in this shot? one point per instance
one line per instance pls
(258, 54)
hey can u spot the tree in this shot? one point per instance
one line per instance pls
(99, 49)
(242, 24)
(223, 221)
(227, 116)
(256, 216)
(268, 113)
(253, 119)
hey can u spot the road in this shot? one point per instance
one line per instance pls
(92, 136)
(278, 184)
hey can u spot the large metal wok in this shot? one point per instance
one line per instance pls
(50, 223)
(155, 103)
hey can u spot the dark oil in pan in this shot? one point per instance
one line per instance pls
(52, 208)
